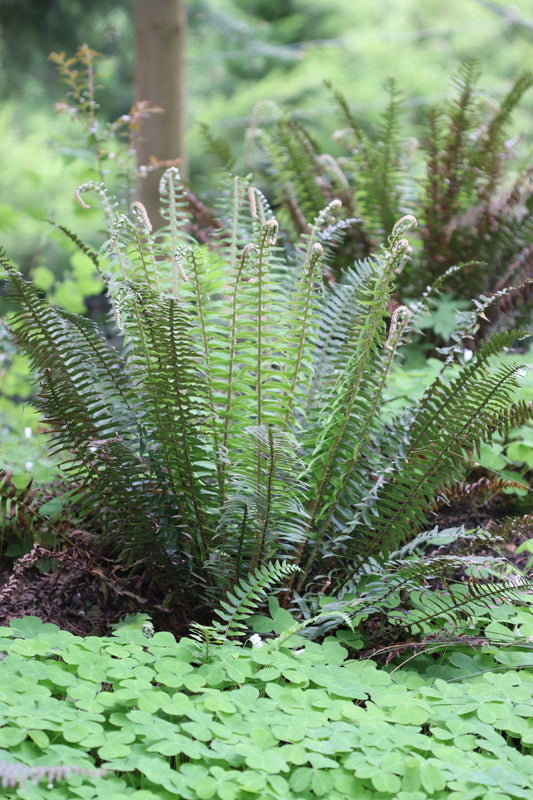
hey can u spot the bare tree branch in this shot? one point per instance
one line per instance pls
(508, 14)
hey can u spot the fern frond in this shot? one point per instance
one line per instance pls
(174, 210)
(244, 600)
(470, 213)
(304, 300)
(292, 157)
(450, 420)
(515, 526)
(255, 369)
(173, 407)
(88, 401)
(493, 137)
(19, 511)
(108, 202)
(462, 539)
(449, 176)
(376, 169)
(81, 245)
(411, 590)
(339, 307)
(349, 408)
(386, 163)
(463, 603)
(264, 515)
(473, 492)
(218, 147)
(70, 349)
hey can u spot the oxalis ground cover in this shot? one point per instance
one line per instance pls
(166, 720)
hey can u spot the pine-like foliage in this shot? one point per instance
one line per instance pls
(242, 429)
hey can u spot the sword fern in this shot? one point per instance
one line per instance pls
(243, 422)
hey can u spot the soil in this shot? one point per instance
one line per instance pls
(82, 590)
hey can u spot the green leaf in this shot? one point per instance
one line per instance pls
(386, 782)
(410, 714)
(432, 777)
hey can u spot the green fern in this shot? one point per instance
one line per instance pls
(450, 420)
(457, 171)
(19, 513)
(243, 424)
(265, 515)
(462, 605)
(241, 602)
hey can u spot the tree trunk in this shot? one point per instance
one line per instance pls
(160, 27)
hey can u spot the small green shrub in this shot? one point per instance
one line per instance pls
(300, 720)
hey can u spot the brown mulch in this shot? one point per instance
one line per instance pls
(82, 590)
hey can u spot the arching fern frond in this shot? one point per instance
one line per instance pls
(462, 604)
(173, 406)
(350, 403)
(80, 244)
(218, 147)
(450, 420)
(243, 601)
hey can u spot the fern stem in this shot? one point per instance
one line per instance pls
(364, 349)
(232, 354)
(260, 541)
(200, 310)
(173, 215)
(168, 438)
(321, 360)
(140, 250)
(242, 536)
(307, 281)
(259, 341)
(237, 200)
(184, 426)
(368, 336)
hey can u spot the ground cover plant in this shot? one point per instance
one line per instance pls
(129, 716)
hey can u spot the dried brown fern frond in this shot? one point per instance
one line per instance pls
(474, 492)
(515, 526)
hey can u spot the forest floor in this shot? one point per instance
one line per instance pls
(82, 590)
